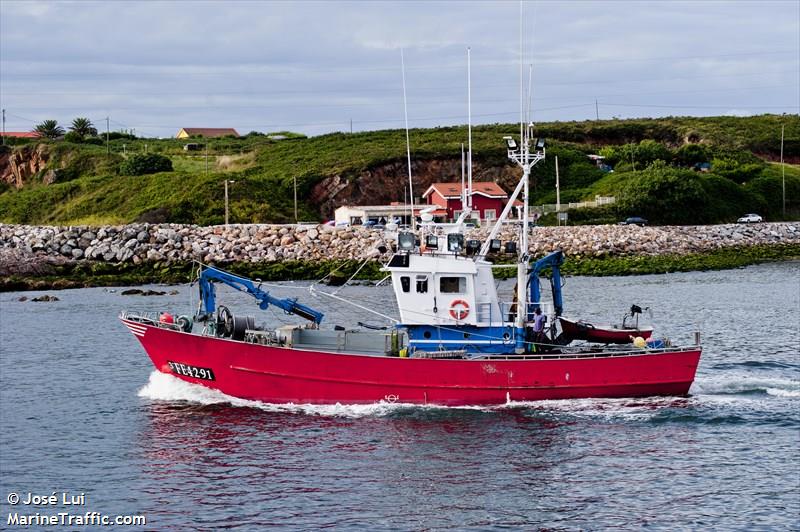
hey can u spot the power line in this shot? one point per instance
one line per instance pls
(179, 70)
(747, 106)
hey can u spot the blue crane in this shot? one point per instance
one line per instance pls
(554, 260)
(209, 275)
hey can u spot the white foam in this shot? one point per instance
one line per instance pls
(720, 391)
(783, 393)
(164, 387)
(629, 409)
(741, 383)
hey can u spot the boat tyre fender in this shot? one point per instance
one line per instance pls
(184, 323)
(459, 309)
(224, 322)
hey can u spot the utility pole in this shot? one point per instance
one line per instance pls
(596, 110)
(295, 199)
(226, 184)
(783, 174)
(351, 126)
(558, 190)
(4, 127)
(226, 200)
(108, 146)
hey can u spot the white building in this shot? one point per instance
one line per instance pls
(359, 214)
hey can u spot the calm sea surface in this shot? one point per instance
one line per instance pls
(82, 411)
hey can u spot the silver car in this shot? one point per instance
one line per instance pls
(750, 219)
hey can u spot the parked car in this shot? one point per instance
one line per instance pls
(634, 220)
(750, 219)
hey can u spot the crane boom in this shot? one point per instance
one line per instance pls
(209, 275)
(554, 260)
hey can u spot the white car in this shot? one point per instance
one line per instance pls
(750, 218)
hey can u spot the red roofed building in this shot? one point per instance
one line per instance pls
(208, 132)
(22, 134)
(488, 199)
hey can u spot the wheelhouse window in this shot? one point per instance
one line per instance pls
(452, 285)
(422, 284)
(405, 283)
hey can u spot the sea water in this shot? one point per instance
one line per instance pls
(83, 412)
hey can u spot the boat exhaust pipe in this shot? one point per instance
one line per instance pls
(697, 338)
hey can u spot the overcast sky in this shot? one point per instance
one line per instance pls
(315, 66)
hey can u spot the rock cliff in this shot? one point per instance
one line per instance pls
(388, 182)
(19, 165)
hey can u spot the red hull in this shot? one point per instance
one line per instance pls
(286, 375)
(606, 334)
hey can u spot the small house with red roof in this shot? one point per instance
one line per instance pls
(207, 132)
(488, 200)
(22, 134)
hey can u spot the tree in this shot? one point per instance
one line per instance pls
(49, 129)
(83, 127)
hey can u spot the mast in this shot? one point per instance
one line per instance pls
(469, 130)
(522, 155)
(463, 190)
(522, 266)
(408, 144)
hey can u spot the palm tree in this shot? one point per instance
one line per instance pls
(83, 127)
(49, 129)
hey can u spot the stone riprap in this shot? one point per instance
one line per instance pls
(25, 248)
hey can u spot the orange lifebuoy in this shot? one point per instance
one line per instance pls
(459, 309)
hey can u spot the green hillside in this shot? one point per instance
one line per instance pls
(652, 159)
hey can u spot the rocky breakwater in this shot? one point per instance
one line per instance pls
(31, 249)
(628, 240)
(138, 243)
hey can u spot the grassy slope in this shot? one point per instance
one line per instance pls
(263, 192)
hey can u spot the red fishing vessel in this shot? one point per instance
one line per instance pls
(249, 369)
(454, 341)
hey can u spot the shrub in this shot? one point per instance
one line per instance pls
(691, 154)
(735, 171)
(770, 188)
(664, 195)
(149, 163)
(73, 137)
(114, 135)
(727, 200)
(642, 154)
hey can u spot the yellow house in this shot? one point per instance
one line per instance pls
(208, 132)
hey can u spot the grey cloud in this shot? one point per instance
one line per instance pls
(262, 64)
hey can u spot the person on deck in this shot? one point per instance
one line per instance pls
(539, 320)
